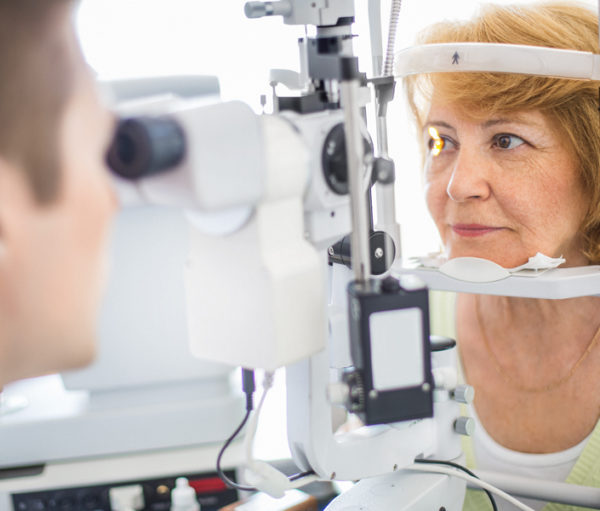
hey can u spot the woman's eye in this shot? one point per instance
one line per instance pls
(437, 143)
(506, 141)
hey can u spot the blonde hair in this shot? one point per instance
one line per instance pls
(571, 105)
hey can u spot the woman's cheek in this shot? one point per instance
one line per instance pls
(435, 196)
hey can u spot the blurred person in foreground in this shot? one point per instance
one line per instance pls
(512, 168)
(56, 203)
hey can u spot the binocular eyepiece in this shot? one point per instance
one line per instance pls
(145, 146)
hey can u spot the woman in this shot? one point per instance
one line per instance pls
(512, 168)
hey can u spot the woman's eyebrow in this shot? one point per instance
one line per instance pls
(512, 120)
(442, 124)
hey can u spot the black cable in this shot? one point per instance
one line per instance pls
(248, 387)
(295, 477)
(464, 469)
(221, 474)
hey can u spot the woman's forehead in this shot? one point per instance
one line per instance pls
(449, 114)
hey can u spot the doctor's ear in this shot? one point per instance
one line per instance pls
(17, 201)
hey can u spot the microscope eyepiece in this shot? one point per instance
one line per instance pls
(144, 146)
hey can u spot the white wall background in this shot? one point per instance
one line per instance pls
(131, 38)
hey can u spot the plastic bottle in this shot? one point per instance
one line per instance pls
(183, 496)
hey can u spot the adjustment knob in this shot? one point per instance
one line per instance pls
(464, 426)
(260, 9)
(464, 394)
(255, 9)
(390, 285)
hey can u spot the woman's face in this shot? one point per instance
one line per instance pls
(503, 188)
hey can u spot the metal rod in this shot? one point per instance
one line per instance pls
(385, 198)
(376, 37)
(553, 491)
(382, 136)
(361, 262)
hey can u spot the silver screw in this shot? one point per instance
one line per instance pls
(426, 387)
(373, 394)
(378, 253)
(331, 251)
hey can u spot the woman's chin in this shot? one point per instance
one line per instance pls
(504, 260)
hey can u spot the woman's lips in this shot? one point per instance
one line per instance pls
(473, 230)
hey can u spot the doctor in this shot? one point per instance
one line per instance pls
(56, 204)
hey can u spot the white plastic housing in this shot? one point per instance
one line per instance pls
(223, 167)
(319, 12)
(556, 284)
(499, 58)
(256, 298)
(326, 213)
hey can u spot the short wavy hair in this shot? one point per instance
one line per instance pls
(572, 106)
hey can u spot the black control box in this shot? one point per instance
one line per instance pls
(391, 380)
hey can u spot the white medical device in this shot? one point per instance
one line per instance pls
(294, 192)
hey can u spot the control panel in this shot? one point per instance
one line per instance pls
(155, 493)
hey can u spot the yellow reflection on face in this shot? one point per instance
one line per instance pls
(437, 142)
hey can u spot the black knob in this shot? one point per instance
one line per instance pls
(144, 146)
(390, 285)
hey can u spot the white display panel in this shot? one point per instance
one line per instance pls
(397, 348)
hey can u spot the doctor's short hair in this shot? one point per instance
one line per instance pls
(37, 74)
(570, 105)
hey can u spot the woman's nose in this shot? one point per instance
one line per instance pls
(469, 178)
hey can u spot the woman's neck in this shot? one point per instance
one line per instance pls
(536, 341)
(539, 314)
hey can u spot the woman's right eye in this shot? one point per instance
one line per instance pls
(438, 143)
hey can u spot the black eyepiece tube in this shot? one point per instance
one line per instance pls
(144, 146)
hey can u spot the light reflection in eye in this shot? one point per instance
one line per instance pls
(437, 142)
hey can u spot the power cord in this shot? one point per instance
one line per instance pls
(459, 467)
(248, 386)
(473, 480)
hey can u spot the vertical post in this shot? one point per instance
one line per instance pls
(361, 262)
(375, 36)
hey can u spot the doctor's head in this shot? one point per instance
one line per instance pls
(512, 162)
(55, 200)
